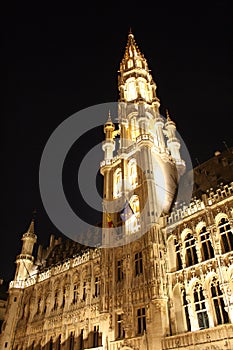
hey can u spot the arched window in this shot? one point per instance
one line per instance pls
(190, 250)
(117, 183)
(75, 293)
(142, 89)
(130, 63)
(55, 305)
(132, 173)
(200, 307)
(178, 257)
(131, 90)
(51, 343)
(139, 63)
(218, 302)
(134, 128)
(207, 250)
(185, 306)
(226, 235)
(133, 222)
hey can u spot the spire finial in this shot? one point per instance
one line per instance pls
(31, 228)
(34, 214)
(167, 115)
(109, 116)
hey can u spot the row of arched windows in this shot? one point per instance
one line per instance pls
(52, 300)
(132, 178)
(201, 308)
(201, 246)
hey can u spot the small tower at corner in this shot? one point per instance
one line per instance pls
(25, 259)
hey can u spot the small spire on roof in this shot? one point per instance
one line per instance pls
(167, 115)
(31, 228)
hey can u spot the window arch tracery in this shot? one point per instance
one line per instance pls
(218, 302)
(133, 222)
(200, 306)
(207, 251)
(132, 173)
(190, 250)
(226, 235)
(117, 183)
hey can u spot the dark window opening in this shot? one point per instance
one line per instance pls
(141, 320)
(120, 274)
(120, 333)
(185, 305)
(191, 253)
(200, 307)
(218, 302)
(138, 263)
(207, 250)
(71, 347)
(96, 336)
(226, 235)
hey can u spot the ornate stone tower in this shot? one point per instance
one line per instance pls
(24, 266)
(147, 164)
(140, 184)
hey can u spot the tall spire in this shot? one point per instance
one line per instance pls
(132, 49)
(135, 81)
(31, 229)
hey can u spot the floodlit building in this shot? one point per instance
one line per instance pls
(163, 278)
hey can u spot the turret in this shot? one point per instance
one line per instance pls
(24, 264)
(108, 145)
(25, 259)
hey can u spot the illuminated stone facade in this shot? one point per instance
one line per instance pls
(168, 288)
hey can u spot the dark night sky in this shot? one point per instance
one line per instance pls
(59, 62)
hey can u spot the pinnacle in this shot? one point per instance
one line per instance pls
(132, 47)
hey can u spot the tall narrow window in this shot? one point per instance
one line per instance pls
(64, 297)
(117, 183)
(190, 250)
(81, 343)
(97, 286)
(226, 235)
(131, 90)
(55, 305)
(75, 290)
(141, 320)
(84, 290)
(218, 302)
(133, 222)
(59, 342)
(200, 307)
(51, 344)
(130, 63)
(33, 344)
(207, 250)
(120, 275)
(186, 312)
(178, 257)
(142, 88)
(132, 173)
(119, 327)
(71, 345)
(138, 263)
(96, 336)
